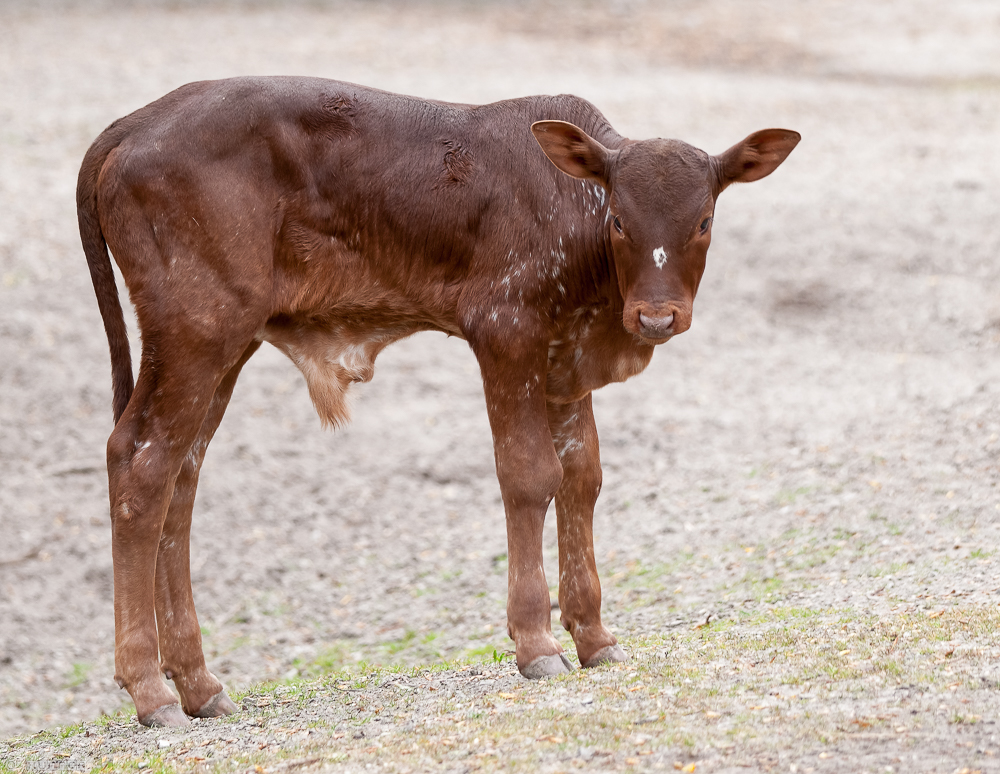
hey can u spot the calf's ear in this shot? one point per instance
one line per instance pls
(756, 157)
(573, 150)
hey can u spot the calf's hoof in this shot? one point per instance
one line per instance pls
(216, 707)
(611, 654)
(167, 716)
(547, 666)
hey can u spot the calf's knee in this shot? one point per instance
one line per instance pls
(528, 481)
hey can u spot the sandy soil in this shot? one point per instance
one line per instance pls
(839, 386)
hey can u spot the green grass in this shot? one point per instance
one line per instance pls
(333, 658)
(764, 679)
(78, 674)
(789, 496)
(892, 569)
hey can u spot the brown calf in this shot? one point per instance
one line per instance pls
(331, 220)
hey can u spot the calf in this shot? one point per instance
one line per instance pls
(331, 220)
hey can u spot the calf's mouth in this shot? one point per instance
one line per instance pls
(657, 323)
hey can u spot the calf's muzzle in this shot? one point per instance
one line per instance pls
(653, 327)
(657, 321)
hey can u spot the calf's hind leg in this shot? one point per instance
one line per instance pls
(145, 454)
(574, 435)
(181, 656)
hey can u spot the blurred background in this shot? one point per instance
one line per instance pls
(826, 434)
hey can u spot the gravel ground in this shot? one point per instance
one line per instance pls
(825, 437)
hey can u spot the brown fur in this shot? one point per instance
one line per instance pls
(331, 220)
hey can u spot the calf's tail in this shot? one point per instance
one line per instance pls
(101, 273)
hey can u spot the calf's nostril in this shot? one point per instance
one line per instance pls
(658, 326)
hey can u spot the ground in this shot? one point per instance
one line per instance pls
(822, 443)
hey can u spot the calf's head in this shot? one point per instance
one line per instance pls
(662, 197)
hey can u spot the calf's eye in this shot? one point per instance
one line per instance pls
(618, 224)
(705, 224)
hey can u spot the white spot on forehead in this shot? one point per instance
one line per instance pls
(660, 257)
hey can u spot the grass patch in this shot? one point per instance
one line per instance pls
(78, 674)
(791, 678)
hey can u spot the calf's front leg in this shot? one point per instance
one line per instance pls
(574, 435)
(529, 473)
